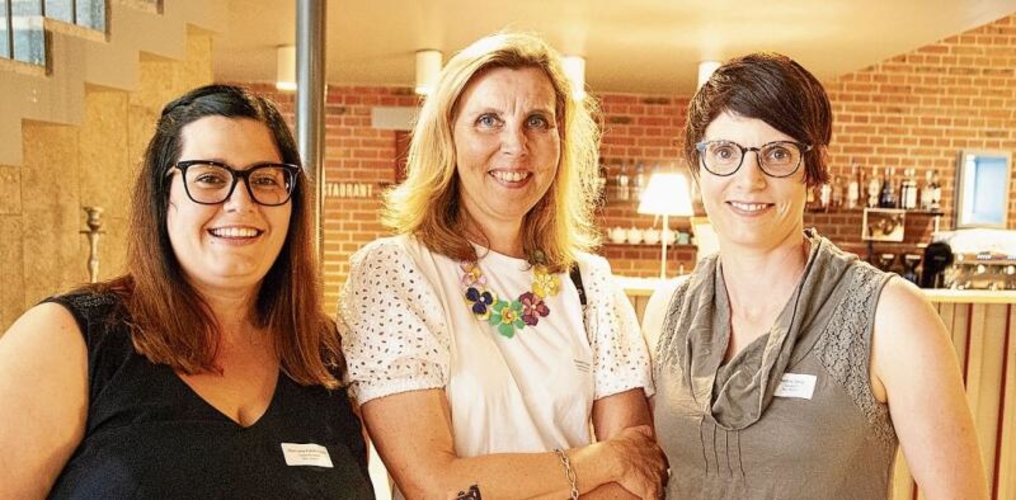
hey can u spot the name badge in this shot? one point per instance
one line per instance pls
(796, 385)
(306, 454)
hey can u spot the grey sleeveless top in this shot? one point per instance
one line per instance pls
(790, 416)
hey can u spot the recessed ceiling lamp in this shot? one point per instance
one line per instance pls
(705, 70)
(285, 67)
(428, 67)
(575, 70)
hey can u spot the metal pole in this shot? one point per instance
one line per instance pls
(10, 29)
(310, 110)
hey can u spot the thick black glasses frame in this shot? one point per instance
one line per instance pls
(237, 175)
(701, 148)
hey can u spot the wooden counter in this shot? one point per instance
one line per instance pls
(983, 328)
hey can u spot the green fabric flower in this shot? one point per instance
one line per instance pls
(507, 317)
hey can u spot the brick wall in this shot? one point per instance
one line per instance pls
(916, 110)
(356, 155)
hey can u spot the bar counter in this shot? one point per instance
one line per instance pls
(983, 328)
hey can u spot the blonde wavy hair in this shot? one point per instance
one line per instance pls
(426, 204)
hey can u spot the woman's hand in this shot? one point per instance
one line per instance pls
(642, 466)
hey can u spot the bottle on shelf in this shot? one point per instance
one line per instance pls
(874, 187)
(926, 192)
(640, 181)
(825, 194)
(887, 195)
(601, 182)
(908, 190)
(936, 193)
(811, 202)
(836, 199)
(623, 183)
(853, 188)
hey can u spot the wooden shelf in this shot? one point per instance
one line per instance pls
(929, 213)
(611, 244)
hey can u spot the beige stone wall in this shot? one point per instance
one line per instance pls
(67, 168)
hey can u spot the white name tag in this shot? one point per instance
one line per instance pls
(306, 454)
(796, 385)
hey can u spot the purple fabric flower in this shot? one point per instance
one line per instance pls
(533, 308)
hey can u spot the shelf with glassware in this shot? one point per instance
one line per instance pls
(635, 216)
(857, 192)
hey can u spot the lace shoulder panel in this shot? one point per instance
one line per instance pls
(620, 356)
(670, 336)
(844, 348)
(390, 319)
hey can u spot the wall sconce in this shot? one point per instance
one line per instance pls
(575, 70)
(705, 70)
(428, 67)
(285, 67)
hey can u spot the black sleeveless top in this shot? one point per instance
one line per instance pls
(149, 435)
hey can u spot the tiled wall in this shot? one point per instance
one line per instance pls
(67, 168)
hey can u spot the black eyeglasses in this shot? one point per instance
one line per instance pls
(775, 159)
(210, 182)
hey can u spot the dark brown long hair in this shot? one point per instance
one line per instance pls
(171, 323)
(772, 88)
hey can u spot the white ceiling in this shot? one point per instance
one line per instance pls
(643, 46)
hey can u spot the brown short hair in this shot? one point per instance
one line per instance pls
(171, 323)
(427, 203)
(772, 88)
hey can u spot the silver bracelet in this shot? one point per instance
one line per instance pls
(569, 473)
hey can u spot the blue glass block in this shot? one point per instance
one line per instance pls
(5, 32)
(26, 8)
(61, 10)
(92, 14)
(29, 40)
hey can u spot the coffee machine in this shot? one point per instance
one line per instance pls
(980, 259)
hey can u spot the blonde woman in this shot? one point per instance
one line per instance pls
(479, 361)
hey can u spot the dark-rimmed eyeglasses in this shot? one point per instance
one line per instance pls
(776, 159)
(210, 182)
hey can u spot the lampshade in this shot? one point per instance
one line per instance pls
(575, 70)
(666, 194)
(705, 70)
(428, 67)
(285, 67)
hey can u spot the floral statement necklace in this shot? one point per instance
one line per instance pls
(508, 316)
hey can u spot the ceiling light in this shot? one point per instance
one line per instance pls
(428, 67)
(575, 70)
(705, 70)
(285, 67)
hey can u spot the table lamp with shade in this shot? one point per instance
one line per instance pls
(666, 195)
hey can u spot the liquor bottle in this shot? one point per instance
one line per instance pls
(908, 191)
(853, 188)
(936, 193)
(926, 192)
(873, 188)
(640, 181)
(810, 203)
(623, 183)
(601, 183)
(836, 201)
(825, 194)
(887, 195)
